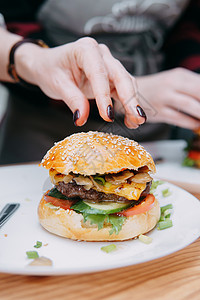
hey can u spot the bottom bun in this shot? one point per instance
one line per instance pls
(69, 224)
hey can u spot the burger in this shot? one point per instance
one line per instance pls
(101, 189)
(192, 158)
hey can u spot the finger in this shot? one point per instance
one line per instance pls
(129, 124)
(97, 75)
(125, 87)
(177, 118)
(187, 105)
(74, 98)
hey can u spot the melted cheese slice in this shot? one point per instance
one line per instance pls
(130, 191)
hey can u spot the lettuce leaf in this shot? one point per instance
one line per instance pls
(154, 185)
(95, 219)
(56, 194)
(116, 222)
(95, 216)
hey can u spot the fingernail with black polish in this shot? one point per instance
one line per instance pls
(110, 112)
(141, 112)
(76, 116)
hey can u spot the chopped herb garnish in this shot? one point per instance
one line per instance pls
(27, 199)
(165, 224)
(154, 185)
(166, 193)
(165, 213)
(164, 208)
(145, 239)
(109, 248)
(32, 254)
(100, 180)
(38, 244)
(162, 218)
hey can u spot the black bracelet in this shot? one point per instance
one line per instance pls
(11, 66)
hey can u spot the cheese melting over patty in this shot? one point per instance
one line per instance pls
(130, 191)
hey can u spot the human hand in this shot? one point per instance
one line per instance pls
(171, 97)
(79, 71)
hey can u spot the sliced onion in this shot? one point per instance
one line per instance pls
(119, 178)
(85, 181)
(67, 178)
(55, 178)
(144, 169)
(141, 178)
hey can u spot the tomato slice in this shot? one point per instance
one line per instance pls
(65, 204)
(193, 154)
(143, 207)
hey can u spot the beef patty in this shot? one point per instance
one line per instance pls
(72, 190)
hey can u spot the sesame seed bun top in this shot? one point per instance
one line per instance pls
(90, 153)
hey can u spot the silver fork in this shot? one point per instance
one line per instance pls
(7, 212)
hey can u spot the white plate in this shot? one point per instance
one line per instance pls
(25, 184)
(171, 169)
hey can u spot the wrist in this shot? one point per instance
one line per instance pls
(8, 40)
(25, 62)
